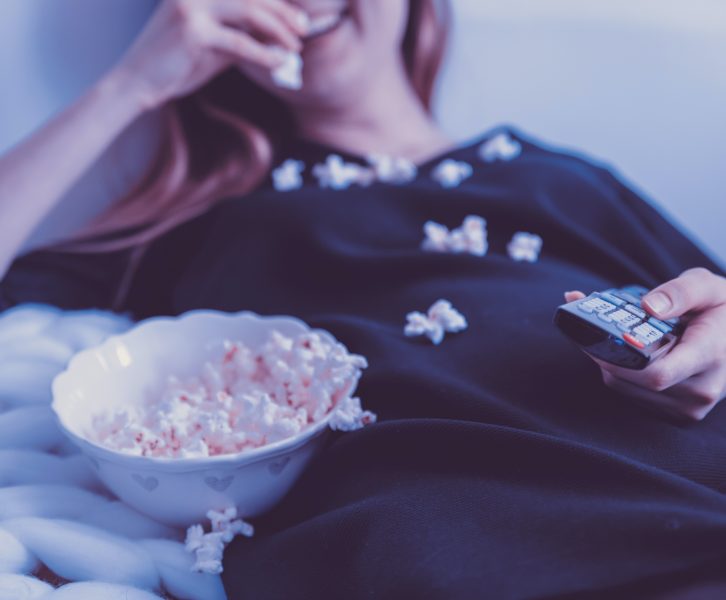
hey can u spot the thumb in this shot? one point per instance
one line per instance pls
(693, 290)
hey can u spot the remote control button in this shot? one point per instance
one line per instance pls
(624, 319)
(658, 324)
(647, 333)
(633, 341)
(612, 299)
(595, 305)
(605, 316)
(636, 311)
(629, 297)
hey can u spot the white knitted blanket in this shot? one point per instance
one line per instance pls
(57, 522)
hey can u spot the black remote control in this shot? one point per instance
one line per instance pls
(613, 326)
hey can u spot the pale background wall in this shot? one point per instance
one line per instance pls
(637, 83)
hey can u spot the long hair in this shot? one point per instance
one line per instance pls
(220, 142)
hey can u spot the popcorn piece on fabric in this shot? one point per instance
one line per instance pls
(470, 238)
(289, 74)
(337, 174)
(240, 401)
(525, 247)
(442, 317)
(500, 147)
(389, 169)
(450, 173)
(288, 176)
(349, 416)
(209, 547)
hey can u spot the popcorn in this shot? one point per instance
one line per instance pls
(525, 247)
(288, 176)
(289, 73)
(442, 317)
(349, 416)
(470, 238)
(392, 170)
(209, 547)
(500, 147)
(450, 173)
(242, 400)
(339, 175)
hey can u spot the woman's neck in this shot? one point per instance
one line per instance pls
(386, 118)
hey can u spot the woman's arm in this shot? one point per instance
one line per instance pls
(185, 44)
(36, 173)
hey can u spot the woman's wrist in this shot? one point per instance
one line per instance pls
(126, 94)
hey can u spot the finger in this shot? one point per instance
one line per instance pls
(242, 47)
(683, 361)
(694, 290)
(707, 388)
(681, 408)
(294, 16)
(574, 295)
(274, 29)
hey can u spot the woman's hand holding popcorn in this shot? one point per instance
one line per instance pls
(188, 42)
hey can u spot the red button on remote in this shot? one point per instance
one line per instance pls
(633, 341)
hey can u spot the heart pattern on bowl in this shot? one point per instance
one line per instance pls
(148, 483)
(218, 484)
(278, 466)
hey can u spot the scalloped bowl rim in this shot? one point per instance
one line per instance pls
(188, 463)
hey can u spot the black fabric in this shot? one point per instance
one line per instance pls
(64, 279)
(501, 466)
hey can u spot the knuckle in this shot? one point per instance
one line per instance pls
(695, 414)
(710, 395)
(698, 272)
(658, 378)
(698, 413)
(181, 11)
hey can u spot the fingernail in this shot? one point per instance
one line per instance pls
(658, 302)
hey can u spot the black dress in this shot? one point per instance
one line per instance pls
(501, 466)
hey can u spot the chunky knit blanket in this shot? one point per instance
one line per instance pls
(62, 534)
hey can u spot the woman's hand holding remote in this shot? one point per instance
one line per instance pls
(187, 42)
(690, 380)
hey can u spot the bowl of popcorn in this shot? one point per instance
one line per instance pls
(208, 410)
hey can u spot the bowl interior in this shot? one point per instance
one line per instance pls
(127, 368)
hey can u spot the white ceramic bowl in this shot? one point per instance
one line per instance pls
(127, 367)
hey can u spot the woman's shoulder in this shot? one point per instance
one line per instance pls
(507, 145)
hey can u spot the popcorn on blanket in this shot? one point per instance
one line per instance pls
(288, 176)
(500, 147)
(208, 547)
(470, 238)
(441, 318)
(450, 173)
(525, 247)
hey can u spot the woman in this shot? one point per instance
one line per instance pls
(504, 464)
